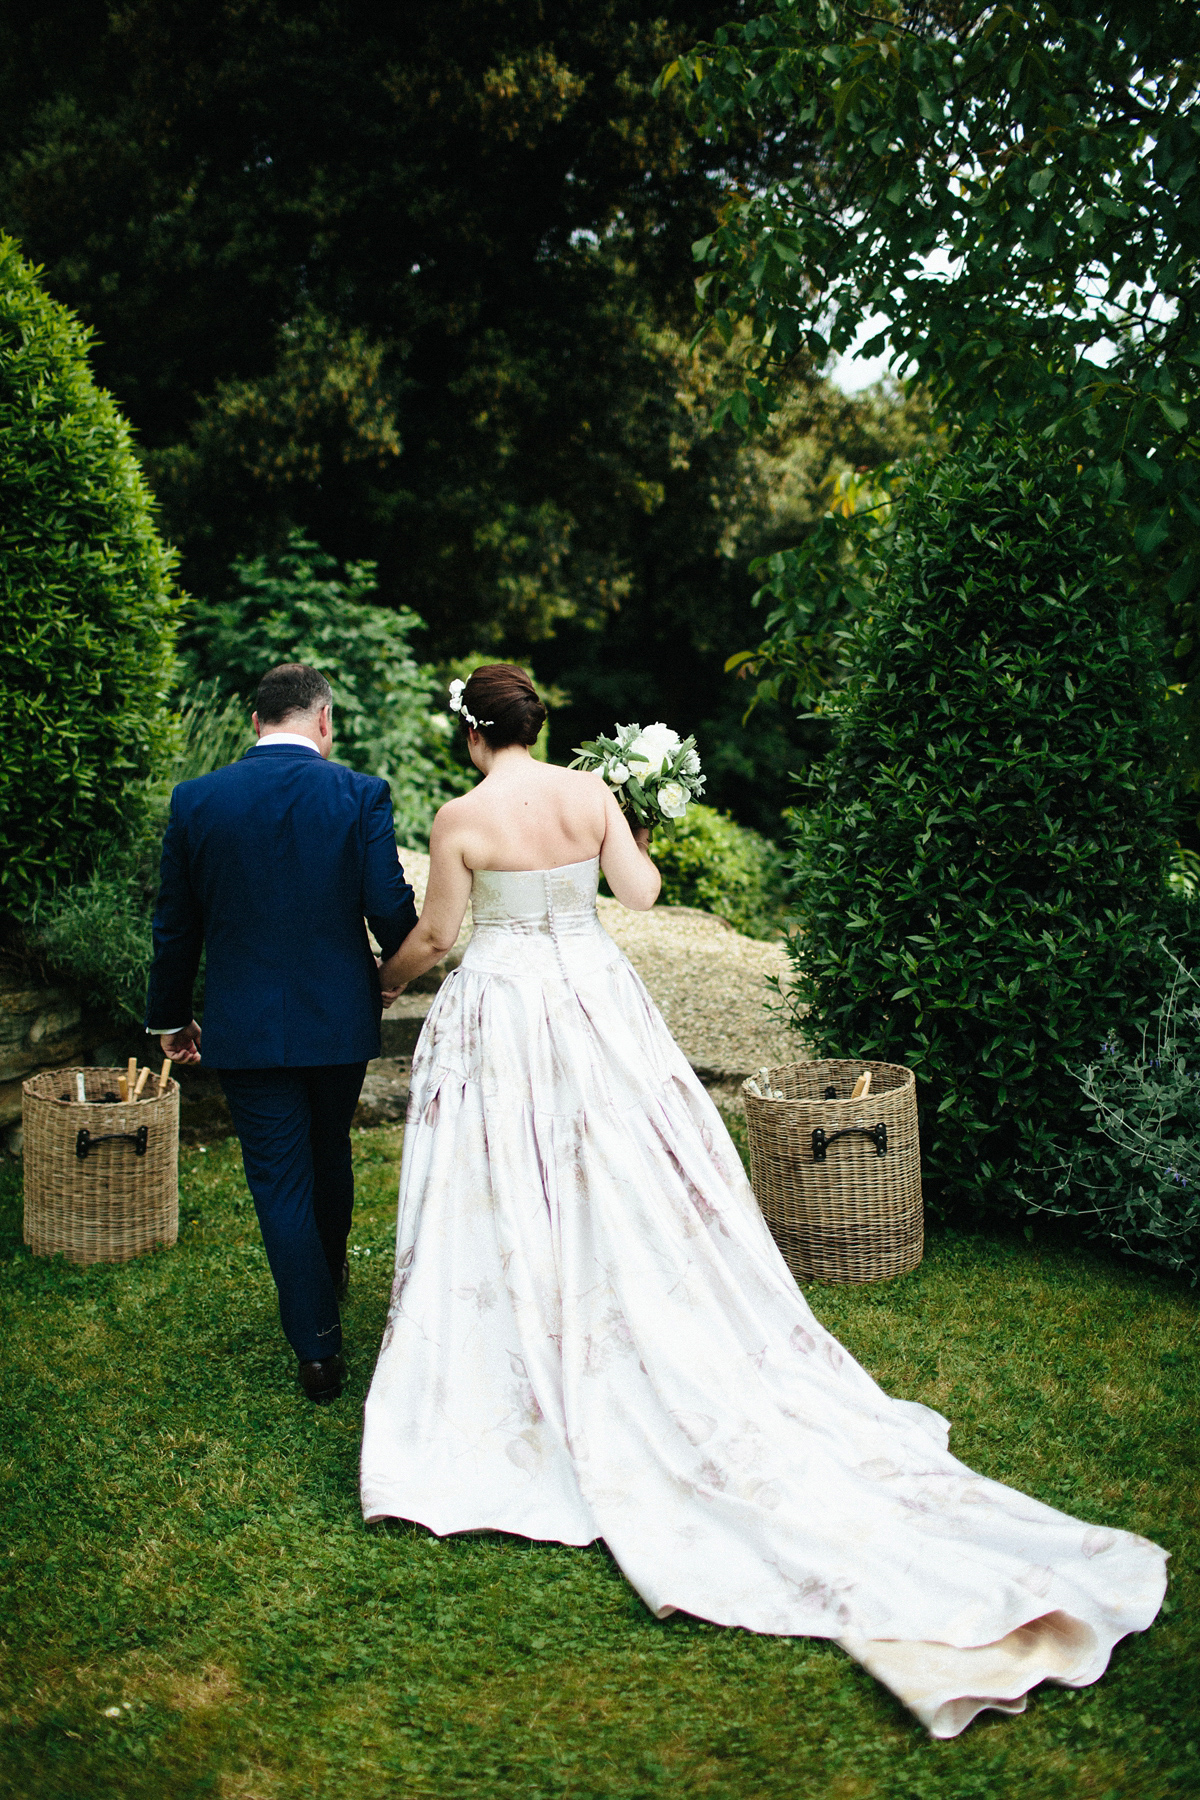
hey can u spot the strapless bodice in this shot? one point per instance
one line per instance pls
(537, 921)
(533, 899)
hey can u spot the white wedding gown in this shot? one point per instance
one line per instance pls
(592, 1335)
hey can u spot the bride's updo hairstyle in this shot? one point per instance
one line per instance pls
(502, 698)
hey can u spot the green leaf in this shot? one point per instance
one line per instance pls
(1152, 533)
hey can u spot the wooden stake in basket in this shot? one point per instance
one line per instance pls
(862, 1086)
(142, 1079)
(130, 1076)
(165, 1076)
(122, 1086)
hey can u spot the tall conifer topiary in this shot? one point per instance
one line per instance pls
(985, 849)
(86, 599)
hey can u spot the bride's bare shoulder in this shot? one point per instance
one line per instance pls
(579, 787)
(454, 814)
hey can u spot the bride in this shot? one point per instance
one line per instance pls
(592, 1334)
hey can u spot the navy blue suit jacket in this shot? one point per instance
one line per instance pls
(270, 866)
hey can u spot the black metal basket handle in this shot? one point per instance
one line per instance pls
(84, 1141)
(821, 1139)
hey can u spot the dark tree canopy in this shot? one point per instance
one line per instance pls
(342, 264)
(418, 283)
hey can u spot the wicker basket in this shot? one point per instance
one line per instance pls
(839, 1180)
(101, 1177)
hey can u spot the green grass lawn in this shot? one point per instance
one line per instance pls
(193, 1606)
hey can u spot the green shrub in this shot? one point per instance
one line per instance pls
(990, 830)
(215, 729)
(85, 596)
(389, 717)
(96, 933)
(1133, 1176)
(721, 867)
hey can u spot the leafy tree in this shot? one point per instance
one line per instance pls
(977, 875)
(713, 503)
(86, 597)
(1016, 192)
(313, 238)
(295, 608)
(415, 286)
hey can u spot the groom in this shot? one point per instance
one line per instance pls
(269, 866)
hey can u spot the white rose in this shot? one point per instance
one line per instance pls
(691, 763)
(672, 801)
(657, 743)
(615, 774)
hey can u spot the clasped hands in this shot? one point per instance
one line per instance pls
(388, 994)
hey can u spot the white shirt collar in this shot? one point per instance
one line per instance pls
(286, 737)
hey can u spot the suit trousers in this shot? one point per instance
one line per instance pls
(294, 1126)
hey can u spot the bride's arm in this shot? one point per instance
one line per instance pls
(436, 931)
(625, 860)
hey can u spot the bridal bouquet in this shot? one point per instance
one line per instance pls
(654, 773)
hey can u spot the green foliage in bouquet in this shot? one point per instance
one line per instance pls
(86, 597)
(721, 867)
(989, 834)
(654, 773)
(389, 714)
(1133, 1177)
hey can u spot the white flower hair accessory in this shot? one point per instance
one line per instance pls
(457, 690)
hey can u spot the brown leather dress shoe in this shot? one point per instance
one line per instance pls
(322, 1381)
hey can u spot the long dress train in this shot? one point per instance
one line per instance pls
(592, 1335)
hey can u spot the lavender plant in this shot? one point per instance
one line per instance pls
(1134, 1177)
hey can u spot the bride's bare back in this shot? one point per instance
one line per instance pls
(523, 815)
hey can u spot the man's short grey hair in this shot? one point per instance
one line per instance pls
(290, 688)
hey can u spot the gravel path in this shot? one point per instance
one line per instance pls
(709, 982)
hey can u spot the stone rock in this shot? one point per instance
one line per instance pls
(401, 1024)
(384, 1098)
(41, 1027)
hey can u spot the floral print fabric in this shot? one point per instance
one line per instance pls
(592, 1335)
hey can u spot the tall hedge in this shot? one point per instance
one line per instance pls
(86, 599)
(985, 849)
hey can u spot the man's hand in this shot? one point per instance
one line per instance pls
(182, 1046)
